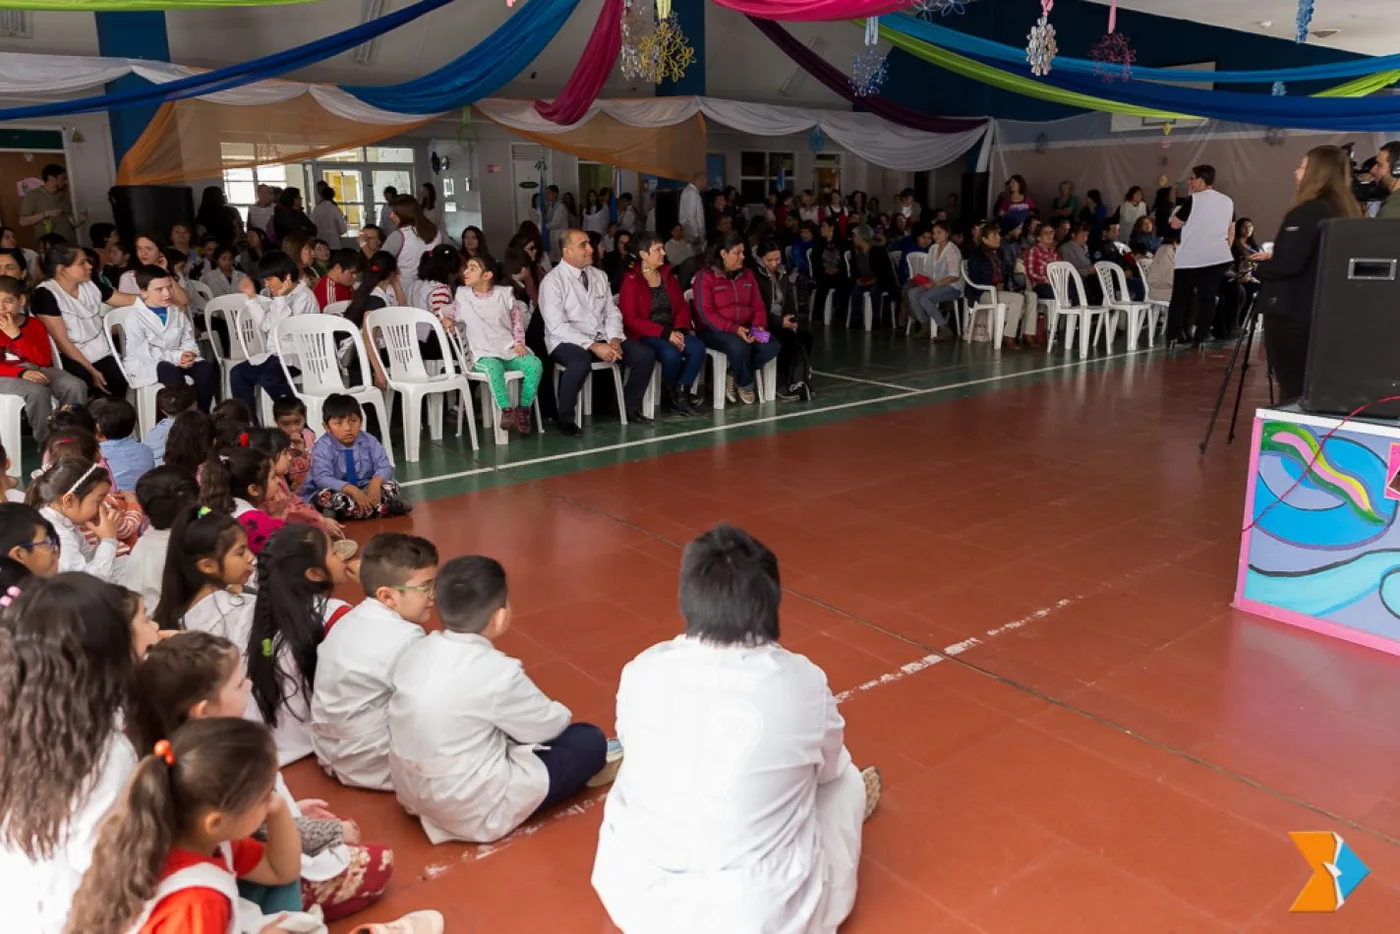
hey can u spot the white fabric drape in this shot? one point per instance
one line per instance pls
(25, 74)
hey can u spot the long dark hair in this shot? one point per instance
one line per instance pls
(410, 214)
(722, 244)
(176, 674)
(381, 266)
(443, 263)
(531, 231)
(224, 764)
(231, 474)
(66, 660)
(288, 616)
(198, 533)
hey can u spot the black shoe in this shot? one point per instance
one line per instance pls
(637, 418)
(681, 404)
(787, 395)
(568, 429)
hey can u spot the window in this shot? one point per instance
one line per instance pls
(241, 185)
(761, 172)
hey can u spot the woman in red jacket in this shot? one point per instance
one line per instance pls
(730, 310)
(27, 366)
(655, 312)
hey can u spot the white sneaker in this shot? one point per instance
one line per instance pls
(731, 391)
(746, 396)
(608, 773)
(874, 784)
(415, 922)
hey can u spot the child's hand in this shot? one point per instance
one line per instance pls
(273, 926)
(35, 376)
(521, 350)
(316, 809)
(246, 287)
(350, 831)
(374, 493)
(333, 529)
(105, 526)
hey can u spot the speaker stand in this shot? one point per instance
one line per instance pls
(1244, 345)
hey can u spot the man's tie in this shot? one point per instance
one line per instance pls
(350, 476)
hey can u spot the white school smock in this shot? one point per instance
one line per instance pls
(150, 341)
(269, 312)
(350, 704)
(225, 614)
(486, 322)
(712, 823)
(410, 253)
(76, 553)
(292, 734)
(220, 284)
(464, 723)
(37, 894)
(82, 318)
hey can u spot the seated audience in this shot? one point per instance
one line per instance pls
(656, 314)
(70, 305)
(126, 457)
(943, 285)
(356, 661)
(778, 293)
(207, 565)
(582, 324)
(160, 343)
(1163, 268)
(290, 414)
(492, 320)
(755, 826)
(70, 493)
(171, 401)
(475, 747)
(678, 249)
(985, 267)
(1144, 238)
(28, 539)
(289, 297)
(831, 271)
(732, 317)
(27, 365)
(1111, 251)
(164, 493)
(338, 283)
(351, 477)
(1075, 251)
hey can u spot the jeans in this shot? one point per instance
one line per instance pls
(204, 375)
(744, 359)
(924, 302)
(573, 757)
(39, 398)
(246, 377)
(578, 362)
(678, 367)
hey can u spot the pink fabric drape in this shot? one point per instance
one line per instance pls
(814, 10)
(599, 57)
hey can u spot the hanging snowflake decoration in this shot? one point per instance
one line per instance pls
(928, 9)
(665, 54)
(1113, 58)
(1040, 47)
(636, 25)
(1279, 89)
(1305, 15)
(868, 66)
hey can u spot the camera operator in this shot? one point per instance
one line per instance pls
(1387, 183)
(1289, 274)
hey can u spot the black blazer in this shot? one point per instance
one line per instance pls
(1290, 278)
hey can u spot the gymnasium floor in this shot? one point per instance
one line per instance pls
(1016, 573)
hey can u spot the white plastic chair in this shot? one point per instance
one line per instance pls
(996, 311)
(318, 339)
(201, 290)
(397, 328)
(248, 337)
(1061, 275)
(226, 357)
(336, 308)
(918, 266)
(490, 411)
(1116, 299)
(11, 426)
(144, 397)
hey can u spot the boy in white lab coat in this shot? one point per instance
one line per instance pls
(475, 747)
(160, 345)
(288, 297)
(355, 663)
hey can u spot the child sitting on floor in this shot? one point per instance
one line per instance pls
(237, 481)
(351, 476)
(126, 457)
(475, 747)
(355, 663)
(281, 502)
(171, 401)
(206, 566)
(70, 493)
(73, 441)
(290, 413)
(163, 494)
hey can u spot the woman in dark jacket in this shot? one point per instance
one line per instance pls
(1289, 274)
(655, 312)
(732, 317)
(779, 296)
(289, 218)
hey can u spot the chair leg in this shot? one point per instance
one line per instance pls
(1052, 322)
(869, 312)
(621, 394)
(491, 412)
(384, 411)
(721, 365)
(465, 397)
(1071, 323)
(997, 322)
(412, 411)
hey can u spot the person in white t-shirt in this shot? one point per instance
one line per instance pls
(1207, 224)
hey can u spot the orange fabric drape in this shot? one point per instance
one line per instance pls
(676, 151)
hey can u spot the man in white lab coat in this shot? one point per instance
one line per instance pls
(556, 220)
(475, 747)
(692, 211)
(738, 808)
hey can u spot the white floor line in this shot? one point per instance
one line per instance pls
(863, 382)
(483, 850)
(783, 416)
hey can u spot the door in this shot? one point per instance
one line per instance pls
(348, 185)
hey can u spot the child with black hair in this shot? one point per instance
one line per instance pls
(475, 747)
(27, 538)
(75, 442)
(206, 566)
(355, 663)
(237, 480)
(160, 344)
(235, 409)
(351, 477)
(289, 297)
(72, 415)
(190, 440)
(70, 493)
(221, 276)
(290, 413)
(64, 758)
(9, 486)
(338, 282)
(27, 365)
(492, 321)
(171, 401)
(125, 457)
(164, 493)
(281, 502)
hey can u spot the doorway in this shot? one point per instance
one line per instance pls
(525, 173)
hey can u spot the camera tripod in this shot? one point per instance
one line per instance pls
(1244, 343)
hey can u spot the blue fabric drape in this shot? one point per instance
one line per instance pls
(482, 70)
(221, 79)
(1342, 115)
(1000, 52)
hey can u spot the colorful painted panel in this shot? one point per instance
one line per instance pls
(1330, 549)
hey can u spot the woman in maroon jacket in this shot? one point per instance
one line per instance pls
(655, 312)
(730, 310)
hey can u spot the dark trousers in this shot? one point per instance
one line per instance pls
(745, 359)
(111, 371)
(1137, 289)
(578, 362)
(245, 378)
(534, 339)
(1286, 341)
(855, 308)
(1201, 285)
(794, 356)
(202, 373)
(573, 757)
(678, 367)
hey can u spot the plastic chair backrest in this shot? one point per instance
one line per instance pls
(250, 336)
(112, 322)
(202, 289)
(336, 308)
(918, 264)
(318, 339)
(225, 306)
(1113, 282)
(989, 299)
(1061, 274)
(397, 327)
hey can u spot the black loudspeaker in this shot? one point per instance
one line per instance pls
(151, 209)
(973, 199)
(1352, 359)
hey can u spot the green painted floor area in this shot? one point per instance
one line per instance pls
(859, 374)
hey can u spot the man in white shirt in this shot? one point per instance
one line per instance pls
(260, 214)
(1207, 224)
(385, 221)
(738, 808)
(328, 218)
(692, 211)
(582, 324)
(556, 220)
(626, 214)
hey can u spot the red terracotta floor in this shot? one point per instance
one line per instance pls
(1093, 741)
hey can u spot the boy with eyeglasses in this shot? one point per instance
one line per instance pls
(28, 538)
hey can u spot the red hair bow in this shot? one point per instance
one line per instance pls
(243, 440)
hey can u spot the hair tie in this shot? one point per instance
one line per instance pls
(223, 459)
(243, 440)
(10, 595)
(267, 648)
(163, 750)
(201, 512)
